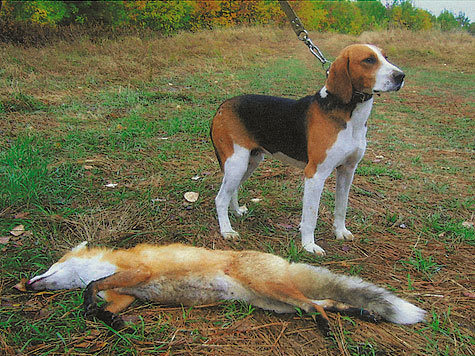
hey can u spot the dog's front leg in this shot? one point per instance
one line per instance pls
(344, 177)
(311, 200)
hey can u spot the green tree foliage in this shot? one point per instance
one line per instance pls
(169, 16)
(404, 14)
(447, 21)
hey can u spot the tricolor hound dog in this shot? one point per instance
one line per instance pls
(317, 133)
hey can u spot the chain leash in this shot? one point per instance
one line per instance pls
(302, 34)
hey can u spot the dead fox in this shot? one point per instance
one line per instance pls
(177, 273)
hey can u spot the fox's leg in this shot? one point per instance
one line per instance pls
(255, 158)
(289, 294)
(363, 314)
(117, 301)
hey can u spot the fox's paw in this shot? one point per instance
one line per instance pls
(365, 315)
(314, 248)
(323, 324)
(109, 318)
(372, 317)
(90, 310)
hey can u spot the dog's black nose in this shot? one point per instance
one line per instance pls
(398, 77)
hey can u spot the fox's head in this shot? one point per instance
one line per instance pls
(76, 269)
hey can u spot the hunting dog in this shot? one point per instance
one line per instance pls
(316, 133)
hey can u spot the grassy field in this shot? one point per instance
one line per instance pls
(76, 117)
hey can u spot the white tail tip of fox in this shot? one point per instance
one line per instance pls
(405, 312)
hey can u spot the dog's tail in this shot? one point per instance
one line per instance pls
(318, 283)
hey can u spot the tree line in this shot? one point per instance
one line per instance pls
(167, 17)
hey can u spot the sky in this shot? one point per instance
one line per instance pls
(437, 6)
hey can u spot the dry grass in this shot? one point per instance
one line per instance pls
(406, 208)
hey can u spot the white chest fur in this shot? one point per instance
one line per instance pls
(350, 144)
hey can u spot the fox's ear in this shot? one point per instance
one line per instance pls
(79, 247)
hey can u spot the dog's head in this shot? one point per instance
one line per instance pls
(362, 68)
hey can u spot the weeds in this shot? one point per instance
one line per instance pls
(420, 263)
(135, 111)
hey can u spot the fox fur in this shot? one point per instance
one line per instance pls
(177, 273)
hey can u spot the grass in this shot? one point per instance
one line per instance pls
(135, 112)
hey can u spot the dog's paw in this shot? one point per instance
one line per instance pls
(314, 248)
(240, 211)
(343, 234)
(230, 234)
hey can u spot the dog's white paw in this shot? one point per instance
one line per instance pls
(314, 248)
(230, 234)
(241, 210)
(343, 234)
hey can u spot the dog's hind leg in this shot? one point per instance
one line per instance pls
(235, 169)
(256, 157)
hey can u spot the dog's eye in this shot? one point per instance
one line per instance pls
(370, 60)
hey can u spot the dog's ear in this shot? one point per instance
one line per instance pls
(339, 82)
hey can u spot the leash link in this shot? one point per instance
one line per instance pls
(302, 34)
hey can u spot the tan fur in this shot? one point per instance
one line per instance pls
(227, 130)
(324, 130)
(348, 72)
(189, 275)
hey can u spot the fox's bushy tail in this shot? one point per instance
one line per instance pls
(319, 283)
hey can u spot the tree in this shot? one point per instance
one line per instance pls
(447, 21)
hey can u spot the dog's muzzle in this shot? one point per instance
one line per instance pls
(398, 79)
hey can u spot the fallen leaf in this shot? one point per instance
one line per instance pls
(21, 286)
(87, 167)
(4, 240)
(158, 200)
(191, 196)
(27, 234)
(131, 319)
(44, 313)
(468, 224)
(83, 344)
(18, 230)
(23, 215)
(468, 294)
